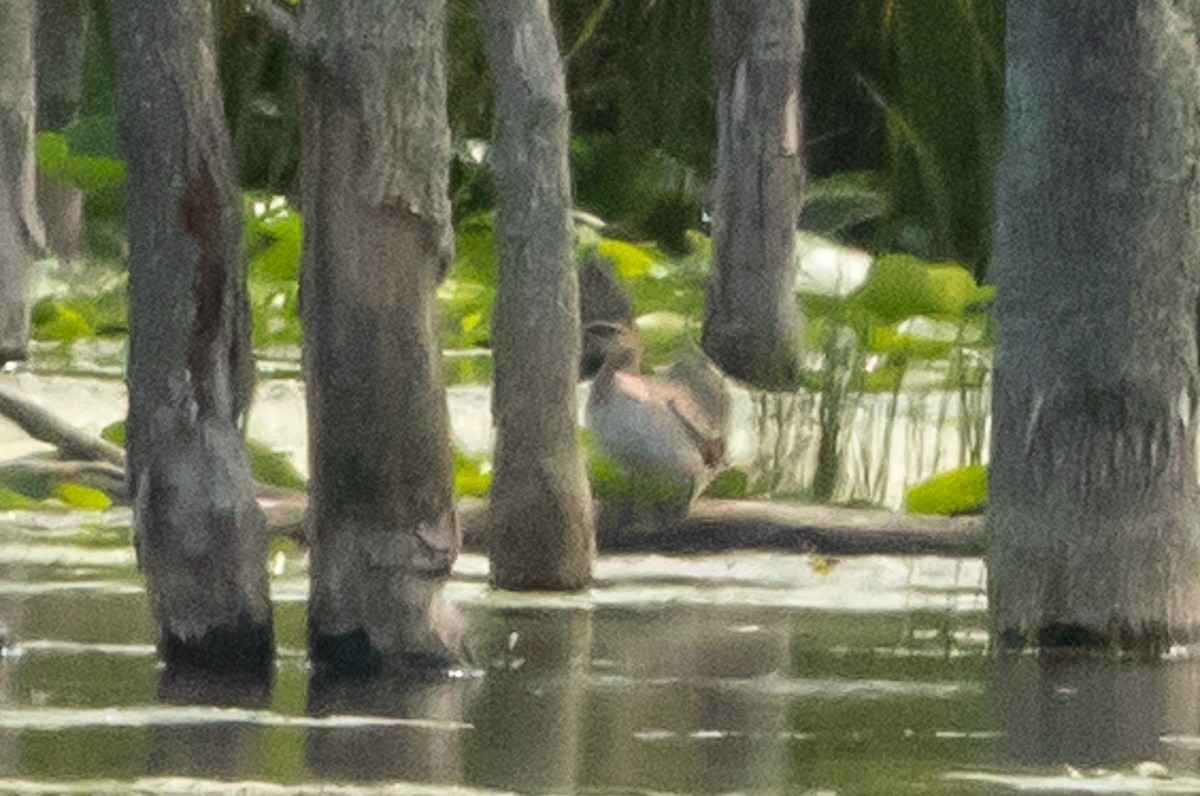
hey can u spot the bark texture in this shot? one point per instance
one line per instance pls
(1094, 522)
(200, 536)
(751, 314)
(61, 44)
(541, 505)
(374, 160)
(20, 230)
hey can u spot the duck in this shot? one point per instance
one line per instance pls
(667, 436)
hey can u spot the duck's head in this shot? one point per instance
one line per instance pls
(617, 345)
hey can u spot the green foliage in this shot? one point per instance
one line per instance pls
(472, 474)
(77, 496)
(273, 468)
(114, 433)
(90, 173)
(944, 120)
(54, 320)
(11, 500)
(96, 310)
(901, 286)
(731, 484)
(959, 491)
(273, 239)
(841, 202)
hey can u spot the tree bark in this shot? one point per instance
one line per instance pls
(541, 505)
(751, 314)
(20, 229)
(200, 536)
(1094, 515)
(375, 154)
(61, 45)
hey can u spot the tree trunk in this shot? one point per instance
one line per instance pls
(200, 535)
(541, 505)
(751, 314)
(61, 45)
(20, 230)
(374, 161)
(1092, 537)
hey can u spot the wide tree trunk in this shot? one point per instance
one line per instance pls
(751, 317)
(541, 506)
(1094, 524)
(20, 230)
(375, 154)
(61, 45)
(200, 533)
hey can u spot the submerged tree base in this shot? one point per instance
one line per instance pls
(1148, 640)
(247, 648)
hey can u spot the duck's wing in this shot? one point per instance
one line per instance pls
(706, 432)
(702, 428)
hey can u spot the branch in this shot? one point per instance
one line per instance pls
(45, 427)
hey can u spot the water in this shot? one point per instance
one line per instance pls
(732, 673)
(748, 673)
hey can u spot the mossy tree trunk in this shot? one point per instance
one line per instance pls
(20, 229)
(541, 506)
(200, 533)
(751, 319)
(375, 155)
(1094, 517)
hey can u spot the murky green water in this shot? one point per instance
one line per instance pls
(733, 673)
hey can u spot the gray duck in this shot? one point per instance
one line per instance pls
(667, 435)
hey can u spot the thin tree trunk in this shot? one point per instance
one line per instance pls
(751, 318)
(374, 161)
(61, 45)
(541, 506)
(199, 531)
(20, 229)
(1094, 513)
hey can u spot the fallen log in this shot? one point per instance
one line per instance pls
(713, 525)
(45, 427)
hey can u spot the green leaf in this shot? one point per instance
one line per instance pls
(55, 320)
(730, 484)
(960, 491)
(78, 496)
(901, 286)
(15, 501)
(91, 173)
(475, 250)
(842, 201)
(114, 433)
(470, 477)
(632, 261)
(273, 467)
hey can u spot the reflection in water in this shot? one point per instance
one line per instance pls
(207, 750)
(1089, 712)
(528, 715)
(427, 751)
(731, 673)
